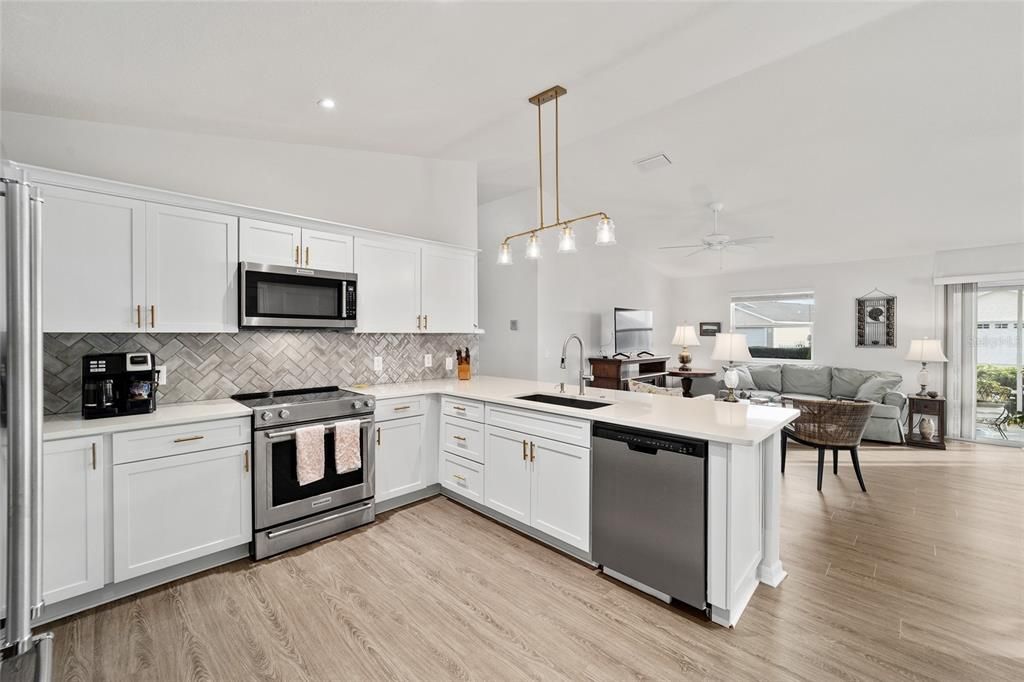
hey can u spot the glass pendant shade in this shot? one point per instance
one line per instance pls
(605, 232)
(504, 254)
(567, 242)
(533, 248)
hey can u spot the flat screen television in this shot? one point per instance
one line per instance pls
(634, 330)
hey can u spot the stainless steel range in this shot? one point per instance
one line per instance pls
(286, 514)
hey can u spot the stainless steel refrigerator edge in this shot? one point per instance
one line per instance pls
(26, 656)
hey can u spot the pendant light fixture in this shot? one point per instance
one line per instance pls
(567, 238)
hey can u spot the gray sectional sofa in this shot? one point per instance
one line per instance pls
(814, 382)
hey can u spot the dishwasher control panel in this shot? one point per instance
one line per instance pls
(649, 441)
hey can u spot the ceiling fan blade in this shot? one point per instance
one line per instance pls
(694, 253)
(748, 240)
(683, 246)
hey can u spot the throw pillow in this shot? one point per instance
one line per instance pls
(746, 381)
(875, 388)
(807, 379)
(641, 387)
(846, 381)
(767, 377)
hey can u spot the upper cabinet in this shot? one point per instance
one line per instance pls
(191, 263)
(94, 262)
(275, 244)
(119, 265)
(405, 286)
(388, 286)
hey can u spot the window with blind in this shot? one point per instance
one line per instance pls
(777, 326)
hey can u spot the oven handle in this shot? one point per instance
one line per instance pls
(327, 427)
(278, 533)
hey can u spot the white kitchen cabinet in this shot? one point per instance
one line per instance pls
(327, 251)
(560, 491)
(540, 482)
(389, 285)
(73, 526)
(448, 300)
(94, 262)
(168, 510)
(507, 473)
(399, 458)
(270, 243)
(191, 267)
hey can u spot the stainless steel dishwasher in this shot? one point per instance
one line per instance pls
(649, 512)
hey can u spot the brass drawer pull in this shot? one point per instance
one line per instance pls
(460, 408)
(424, 322)
(94, 456)
(458, 477)
(419, 322)
(188, 438)
(297, 262)
(307, 255)
(246, 460)
(378, 435)
(460, 438)
(152, 317)
(524, 451)
(532, 455)
(138, 316)
(401, 407)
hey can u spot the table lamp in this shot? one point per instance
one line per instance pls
(924, 351)
(685, 336)
(731, 348)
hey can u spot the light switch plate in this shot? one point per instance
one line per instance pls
(449, 363)
(378, 364)
(428, 360)
(513, 325)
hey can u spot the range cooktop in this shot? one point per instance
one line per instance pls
(273, 408)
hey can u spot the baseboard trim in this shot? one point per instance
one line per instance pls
(415, 496)
(127, 588)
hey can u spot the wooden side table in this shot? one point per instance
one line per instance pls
(920, 408)
(688, 375)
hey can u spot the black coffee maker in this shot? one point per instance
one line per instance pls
(116, 384)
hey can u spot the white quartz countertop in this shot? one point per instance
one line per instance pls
(735, 423)
(72, 425)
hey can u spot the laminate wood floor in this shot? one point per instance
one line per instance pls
(921, 578)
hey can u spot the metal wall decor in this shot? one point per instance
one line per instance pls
(876, 320)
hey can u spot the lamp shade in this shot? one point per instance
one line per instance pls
(731, 348)
(926, 350)
(686, 335)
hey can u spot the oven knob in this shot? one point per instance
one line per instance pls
(266, 416)
(369, 403)
(355, 404)
(283, 414)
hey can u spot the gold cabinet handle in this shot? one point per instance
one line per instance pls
(297, 255)
(94, 456)
(401, 408)
(307, 255)
(152, 316)
(458, 477)
(186, 439)
(524, 451)
(246, 461)
(460, 408)
(532, 455)
(138, 316)
(378, 435)
(459, 438)
(425, 323)
(419, 322)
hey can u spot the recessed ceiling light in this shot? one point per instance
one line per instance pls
(325, 103)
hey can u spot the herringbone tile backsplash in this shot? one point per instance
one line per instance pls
(209, 366)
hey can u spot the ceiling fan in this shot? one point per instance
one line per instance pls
(716, 241)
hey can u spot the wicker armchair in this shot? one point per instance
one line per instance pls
(829, 424)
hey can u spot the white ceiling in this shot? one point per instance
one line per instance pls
(848, 130)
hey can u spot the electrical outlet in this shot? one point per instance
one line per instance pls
(378, 364)
(162, 376)
(449, 363)
(428, 360)
(513, 325)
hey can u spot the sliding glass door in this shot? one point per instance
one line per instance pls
(1000, 365)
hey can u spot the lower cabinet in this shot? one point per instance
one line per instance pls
(540, 482)
(400, 461)
(168, 510)
(73, 527)
(463, 476)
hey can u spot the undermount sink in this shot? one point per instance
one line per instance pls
(563, 400)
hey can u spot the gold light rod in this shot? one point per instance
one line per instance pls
(564, 223)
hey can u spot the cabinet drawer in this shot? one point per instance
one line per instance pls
(541, 424)
(463, 437)
(397, 408)
(927, 407)
(467, 409)
(135, 446)
(463, 476)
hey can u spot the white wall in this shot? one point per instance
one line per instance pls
(836, 286)
(984, 261)
(559, 294)
(429, 198)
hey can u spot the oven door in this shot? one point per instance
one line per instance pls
(277, 495)
(279, 296)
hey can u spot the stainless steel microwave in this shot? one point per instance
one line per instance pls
(283, 296)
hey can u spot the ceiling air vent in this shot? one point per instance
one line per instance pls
(652, 163)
